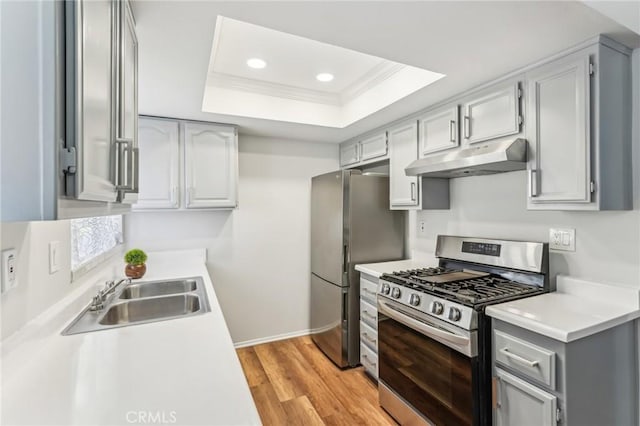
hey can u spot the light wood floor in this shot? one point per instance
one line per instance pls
(293, 383)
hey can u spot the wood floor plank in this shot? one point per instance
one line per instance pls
(252, 367)
(296, 384)
(277, 370)
(300, 411)
(269, 408)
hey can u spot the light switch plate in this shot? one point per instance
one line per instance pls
(54, 257)
(9, 272)
(563, 239)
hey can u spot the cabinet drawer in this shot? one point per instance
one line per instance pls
(368, 290)
(369, 360)
(369, 336)
(369, 314)
(531, 360)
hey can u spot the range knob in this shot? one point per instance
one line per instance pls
(414, 300)
(437, 308)
(385, 288)
(395, 293)
(454, 314)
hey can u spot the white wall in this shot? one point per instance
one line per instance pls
(258, 255)
(38, 290)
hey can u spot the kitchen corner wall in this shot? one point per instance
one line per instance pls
(38, 290)
(607, 243)
(258, 254)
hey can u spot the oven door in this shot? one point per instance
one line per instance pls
(428, 368)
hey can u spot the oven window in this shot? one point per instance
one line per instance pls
(435, 379)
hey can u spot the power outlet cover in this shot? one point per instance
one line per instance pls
(9, 272)
(563, 239)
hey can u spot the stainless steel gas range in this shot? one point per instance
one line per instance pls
(434, 349)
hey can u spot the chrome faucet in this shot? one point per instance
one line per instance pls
(98, 301)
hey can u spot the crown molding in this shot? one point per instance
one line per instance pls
(372, 78)
(245, 84)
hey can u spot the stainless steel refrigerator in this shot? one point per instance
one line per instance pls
(351, 223)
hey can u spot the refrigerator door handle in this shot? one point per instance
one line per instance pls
(345, 259)
(345, 302)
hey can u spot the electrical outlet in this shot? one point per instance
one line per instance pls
(422, 227)
(562, 239)
(9, 272)
(54, 257)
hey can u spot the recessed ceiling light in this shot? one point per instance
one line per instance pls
(324, 77)
(256, 63)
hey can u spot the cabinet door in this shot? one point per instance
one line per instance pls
(373, 147)
(403, 146)
(349, 154)
(211, 166)
(493, 115)
(523, 404)
(159, 164)
(90, 82)
(128, 102)
(558, 124)
(438, 131)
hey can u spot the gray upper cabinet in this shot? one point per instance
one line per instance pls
(127, 102)
(349, 154)
(187, 165)
(82, 83)
(403, 146)
(558, 128)
(493, 114)
(373, 147)
(578, 129)
(361, 151)
(438, 131)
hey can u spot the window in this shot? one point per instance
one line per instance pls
(93, 239)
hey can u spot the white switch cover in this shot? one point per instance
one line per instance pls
(54, 257)
(562, 239)
(9, 272)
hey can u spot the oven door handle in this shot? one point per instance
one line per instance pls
(423, 328)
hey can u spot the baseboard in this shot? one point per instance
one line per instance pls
(275, 338)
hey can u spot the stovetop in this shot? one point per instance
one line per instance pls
(473, 292)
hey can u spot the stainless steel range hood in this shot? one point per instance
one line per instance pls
(481, 159)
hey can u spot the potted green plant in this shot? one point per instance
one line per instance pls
(136, 267)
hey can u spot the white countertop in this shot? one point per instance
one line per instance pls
(377, 269)
(183, 371)
(575, 310)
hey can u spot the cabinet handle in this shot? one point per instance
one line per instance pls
(518, 358)
(124, 164)
(533, 183)
(452, 131)
(174, 195)
(368, 338)
(366, 290)
(467, 127)
(413, 191)
(371, 363)
(495, 392)
(368, 315)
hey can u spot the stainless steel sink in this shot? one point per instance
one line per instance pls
(143, 303)
(151, 309)
(159, 288)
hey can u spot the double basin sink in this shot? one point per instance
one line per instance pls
(141, 303)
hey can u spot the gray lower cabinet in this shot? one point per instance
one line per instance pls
(369, 324)
(539, 381)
